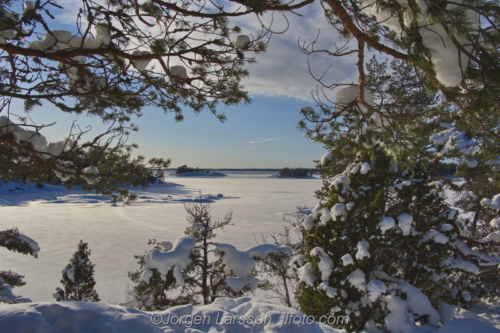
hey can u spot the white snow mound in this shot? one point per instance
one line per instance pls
(224, 315)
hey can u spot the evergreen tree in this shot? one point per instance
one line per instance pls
(195, 269)
(13, 240)
(384, 239)
(78, 278)
(383, 247)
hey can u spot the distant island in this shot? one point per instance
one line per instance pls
(185, 171)
(294, 173)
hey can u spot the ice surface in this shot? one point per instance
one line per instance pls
(116, 234)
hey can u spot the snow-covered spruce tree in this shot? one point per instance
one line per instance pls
(477, 166)
(384, 249)
(195, 269)
(78, 278)
(13, 240)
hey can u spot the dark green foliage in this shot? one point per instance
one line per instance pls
(12, 279)
(397, 254)
(197, 271)
(184, 169)
(158, 294)
(13, 240)
(433, 256)
(204, 277)
(295, 173)
(78, 278)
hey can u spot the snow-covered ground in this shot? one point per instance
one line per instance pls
(224, 315)
(242, 315)
(58, 219)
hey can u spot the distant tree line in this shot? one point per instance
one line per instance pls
(295, 172)
(184, 169)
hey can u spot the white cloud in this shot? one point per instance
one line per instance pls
(283, 70)
(264, 140)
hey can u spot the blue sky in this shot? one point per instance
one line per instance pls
(260, 135)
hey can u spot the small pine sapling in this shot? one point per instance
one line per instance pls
(78, 278)
(194, 269)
